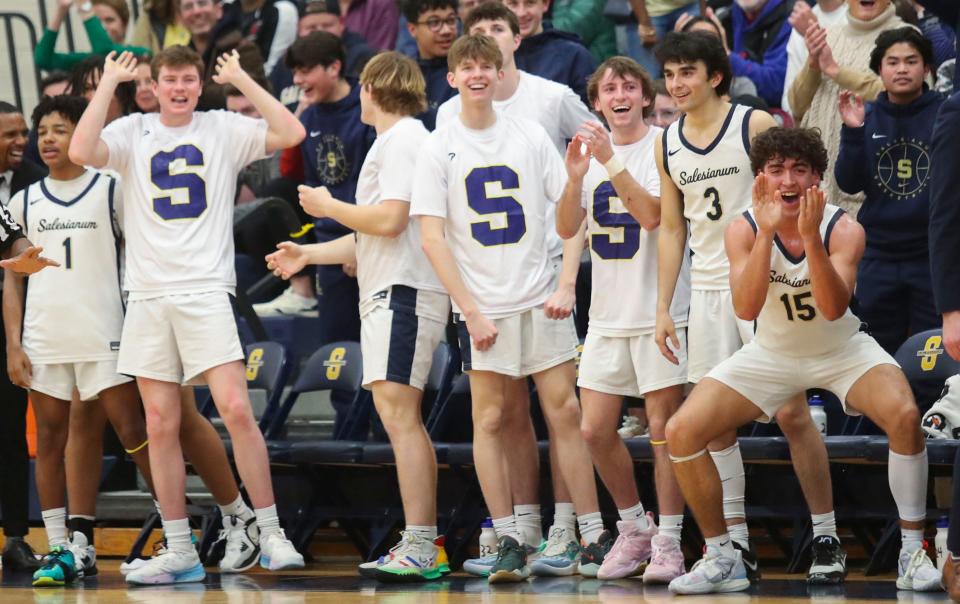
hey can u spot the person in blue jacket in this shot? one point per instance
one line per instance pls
(550, 53)
(885, 151)
(758, 51)
(434, 26)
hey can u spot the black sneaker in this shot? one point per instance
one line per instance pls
(749, 562)
(511, 565)
(829, 565)
(591, 556)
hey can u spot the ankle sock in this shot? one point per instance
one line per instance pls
(55, 523)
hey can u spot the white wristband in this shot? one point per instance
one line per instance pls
(614, 166)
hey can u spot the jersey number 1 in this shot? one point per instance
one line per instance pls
(68, 248)
(165, 180)
(485, 205)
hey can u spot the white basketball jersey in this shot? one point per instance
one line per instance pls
(623, 299)
(74, 312)
(716, 183)
(179, 189)
(387, 173)
(790, 322)
(496, 189)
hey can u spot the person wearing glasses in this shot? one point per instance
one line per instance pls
(433, 25)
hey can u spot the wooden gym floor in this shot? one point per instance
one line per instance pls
(338, 583)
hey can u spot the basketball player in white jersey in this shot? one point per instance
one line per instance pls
(793, 265)
(560, 111)
(61, 342)
(403, 306)
(485, 185)
(615, 188)
(178, 169)
(705, 182)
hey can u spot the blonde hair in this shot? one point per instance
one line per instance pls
(396, 83)
(476, 47)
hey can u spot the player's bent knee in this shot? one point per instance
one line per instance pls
(489, 421)
(595, 435)
(681, 435)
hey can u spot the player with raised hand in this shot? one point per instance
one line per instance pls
(613, 185)
(403, 307)
(705, 183)
(497, 269)
(179, 178)
(793, 266)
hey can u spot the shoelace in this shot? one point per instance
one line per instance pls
(556, 543)
(918, 559)
(623, 546)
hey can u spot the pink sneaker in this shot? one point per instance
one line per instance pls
(629, 552)
(666, 564)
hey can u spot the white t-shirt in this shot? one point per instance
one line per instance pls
(387, 173)
(552, 105)
(797, 48)
(74, 312)
(179, 186)
(495, 188)
(623, 298)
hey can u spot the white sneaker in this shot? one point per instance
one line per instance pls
(714, 573)
(128, 567)
(917, 572)
(288, 304)
(169, 566)
(277, 553)
(84, 555)
(632, 427)
(414, 559)
(243, 548)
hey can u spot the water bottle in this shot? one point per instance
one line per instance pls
(817, 413)
(941, 542)
(488, 539)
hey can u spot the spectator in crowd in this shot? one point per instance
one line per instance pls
(270, 24)
(15, 174)
(586, 19)
(550, 53)
(55, 83)
(254, 180)
(106, 24)
(145, 98)
(838, 62)
(825, 13)
(652, 20)
(84, 78)
(375, 20)
(665, 110)
(321, 15)
(433, 25)
(941, 35)
(159, 26)
(741, 86)
(331, 156)
(885, 153)
(760, 30)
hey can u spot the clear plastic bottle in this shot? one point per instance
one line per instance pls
(941, 541)
(817, 413)
(488, 539)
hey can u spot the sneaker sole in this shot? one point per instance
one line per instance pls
(194, 575)
(655, 579)
(588, 570)
(545, 570)
(508, 576)
(265, 563)
(639, 570)
(477, 571)
(908, 585)
(246, 565)
(48, 582)
(413, 576)
(725, 587)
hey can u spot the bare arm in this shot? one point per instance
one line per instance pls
(749, 256)
(760, 121)
(570, 212)
(561, 302)
(833, 273)
(86, 146)
(388, 218)
(643, 206)
(14, 294)
(671, 242)
(284, 130)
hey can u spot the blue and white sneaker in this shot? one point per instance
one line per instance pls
(167, 567)
(278, 553)
(714, 573)
(560, 556)
(480, 567)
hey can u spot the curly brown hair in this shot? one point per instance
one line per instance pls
(803, 144)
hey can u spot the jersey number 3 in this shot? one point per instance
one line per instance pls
(716, 210)
(602, 243)
(166, 180)
(483, 204)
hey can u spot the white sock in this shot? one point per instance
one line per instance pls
(178, 535)
(907, 475)
(529, 524)
(591, 527)
(824, 525)
(635, 515)
(506, 527)
(237, 508)
(912, 539)
(729, 464)
(427, 532)
(55, 523)
(739, 533)
(671, 526)
(564, 516)
(723, 543)
(267, 521)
